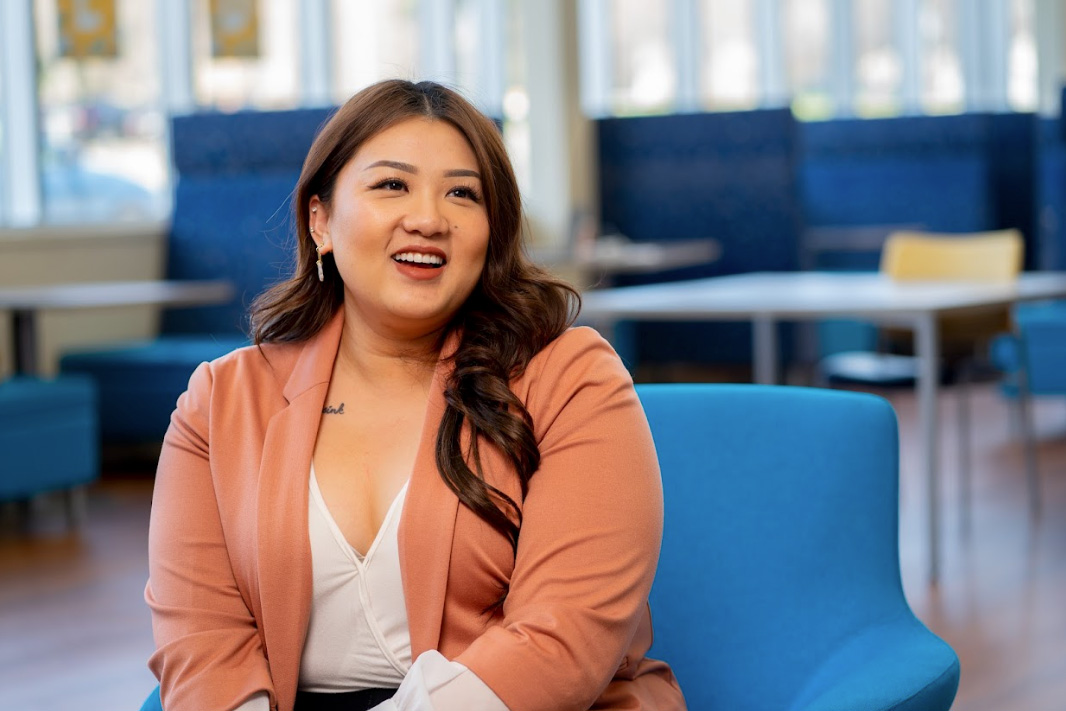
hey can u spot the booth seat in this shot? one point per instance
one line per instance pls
(728, 176)
(48, 436)
(231, 220)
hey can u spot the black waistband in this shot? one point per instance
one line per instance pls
(342, 701)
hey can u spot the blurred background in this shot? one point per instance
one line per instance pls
(748, 123)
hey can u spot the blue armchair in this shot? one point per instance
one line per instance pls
(779, 583)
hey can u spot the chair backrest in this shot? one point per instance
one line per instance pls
(977, 256)
(1042, 328)
(780, 534)
(231, 218)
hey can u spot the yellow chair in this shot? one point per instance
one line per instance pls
(912, 256)
(927, 256)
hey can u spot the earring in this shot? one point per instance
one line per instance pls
(321, 274)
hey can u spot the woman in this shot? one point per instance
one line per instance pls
(419, 489)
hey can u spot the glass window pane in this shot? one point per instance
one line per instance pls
(878, 67)
(644, 67)
(730, 76)
(3, 146)
(268, 79)
(373, 41)
(516, 132)
(808, 53)
(1021, 62)
(468, 24)
(103, 134)
(942, 85)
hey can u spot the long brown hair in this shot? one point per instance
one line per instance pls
(514, 311)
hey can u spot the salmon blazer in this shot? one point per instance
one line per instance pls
(230, 559)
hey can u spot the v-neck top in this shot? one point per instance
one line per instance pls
(358, 637)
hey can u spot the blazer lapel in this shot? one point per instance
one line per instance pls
(427, 525)
(283, 545)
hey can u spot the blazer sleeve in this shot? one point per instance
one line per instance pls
(589, 541)
(209, 654)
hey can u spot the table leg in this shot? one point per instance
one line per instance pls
(927, 350)
(24, 341)
(764, 347)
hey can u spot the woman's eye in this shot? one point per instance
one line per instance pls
(466, 193)
(391, 184)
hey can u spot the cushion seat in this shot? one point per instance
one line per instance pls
(139, 382)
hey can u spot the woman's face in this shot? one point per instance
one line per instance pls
(407, 227)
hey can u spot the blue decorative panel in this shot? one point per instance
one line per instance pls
(729, 176)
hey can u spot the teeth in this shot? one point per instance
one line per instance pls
(419, 258)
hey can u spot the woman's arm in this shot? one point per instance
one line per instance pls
(209, 653)
(590, 537)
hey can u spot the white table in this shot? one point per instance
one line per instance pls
(765, 298)
(25, 303)
(600, 259)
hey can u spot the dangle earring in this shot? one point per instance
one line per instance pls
(318, 251)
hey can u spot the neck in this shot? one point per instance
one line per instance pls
(387, 359)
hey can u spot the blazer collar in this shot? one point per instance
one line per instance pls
(314, 364)
(427, 524)
(285, 580)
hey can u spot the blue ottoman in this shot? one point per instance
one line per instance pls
(48, 436)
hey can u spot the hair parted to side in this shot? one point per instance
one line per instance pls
(515, 310)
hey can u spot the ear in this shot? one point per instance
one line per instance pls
(318, 221)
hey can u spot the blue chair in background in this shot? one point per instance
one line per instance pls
(48, 439)
(779, 583)
(1038, 341)
(231, 220)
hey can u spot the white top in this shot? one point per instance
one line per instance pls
(358, 637)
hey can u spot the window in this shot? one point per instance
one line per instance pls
(730, 58)
(1021, 59)
(102, 132)
(942, 87)
(878, 66)
(373, 41)
(245, 54)
(644, 79)
(808, 57)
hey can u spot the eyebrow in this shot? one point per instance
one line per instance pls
(408, 168)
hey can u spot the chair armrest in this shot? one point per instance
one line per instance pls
(152, 703)
(893, 666)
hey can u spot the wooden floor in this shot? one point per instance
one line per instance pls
(74, 631)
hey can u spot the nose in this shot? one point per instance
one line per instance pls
(425, 217)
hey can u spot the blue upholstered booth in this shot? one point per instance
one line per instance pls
(964, 173)
(48, 436)
(779, 583)
(728, 176)
(230, 221)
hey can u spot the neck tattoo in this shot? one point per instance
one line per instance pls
(330, 410)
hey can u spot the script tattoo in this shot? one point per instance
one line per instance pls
(330, 410)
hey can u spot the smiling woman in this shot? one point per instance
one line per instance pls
(421, 490)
